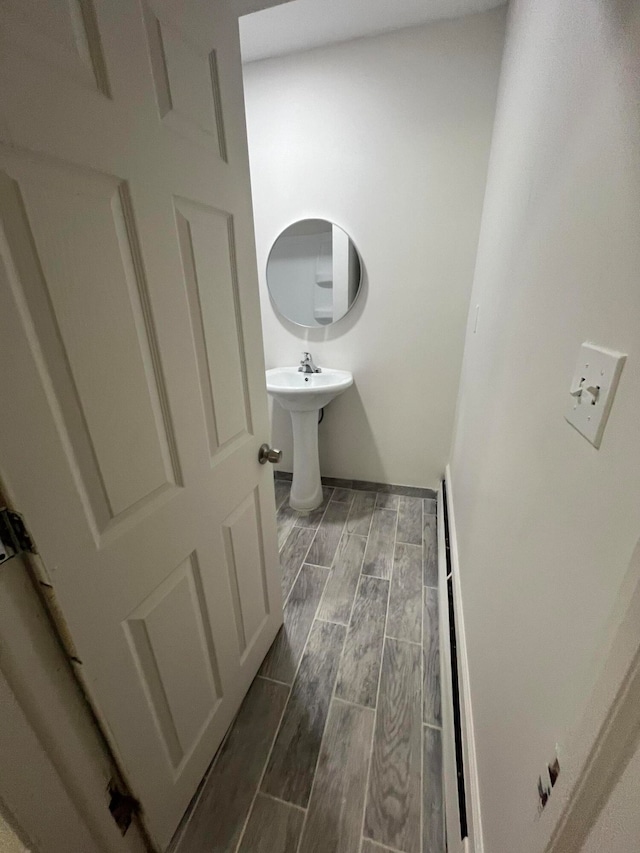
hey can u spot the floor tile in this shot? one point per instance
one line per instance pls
(372, 847)
(327, 538)
(387, 501)
(359, 520)
(340, 590)
(285, 519)
(342, 495)
(430, 554)
(273, 827)
(292, 556)
(284, 655)
(319, 760)
(334, 821)
(433, 812)
(430, 506)
(360, 665)
(409, 521)
(313, 518)
(218, 818)
(431, 662)
(282, 489)
(404, 621)
(292, 764)
(393, 804)
(378, 556)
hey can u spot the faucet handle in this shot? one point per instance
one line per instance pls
(307, 365)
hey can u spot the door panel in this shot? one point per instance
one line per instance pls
(129, 317)
(207, 250)
(167, 630)
(244, 551)
(187, 83)
(74, 223)
(65, 33)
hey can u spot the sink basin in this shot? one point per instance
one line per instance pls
(305, 392)
(303, 395)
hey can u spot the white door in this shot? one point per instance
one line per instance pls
(131, 375)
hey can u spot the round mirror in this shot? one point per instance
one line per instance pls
(314, 273)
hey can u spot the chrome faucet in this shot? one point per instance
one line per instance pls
(307, 365)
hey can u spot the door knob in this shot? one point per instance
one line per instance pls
(268, 454)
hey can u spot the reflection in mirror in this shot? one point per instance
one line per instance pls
(314, 273)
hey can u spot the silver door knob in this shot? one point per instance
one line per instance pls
(268, 454)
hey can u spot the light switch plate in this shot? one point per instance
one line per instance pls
(592, 391)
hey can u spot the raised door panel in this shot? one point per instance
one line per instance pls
(186, 82)
(71, 243)
(207, 251)
(171, 642)
(61, 35)
(245, 559)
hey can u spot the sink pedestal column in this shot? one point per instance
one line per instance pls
(306, 487)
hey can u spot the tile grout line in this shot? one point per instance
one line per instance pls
(353, 607)
(343, 533)
(373, 512)
(375, 720)
(329, 621)
(273, 680)
(366, 535)
(273, 742)
(324, 734)
(264, 770)
(279, 800)
(306, 554)
(421, 756)
(353, 704)
(315, 619)
(349, 502)
(384, 846)
(402, 639)
(344, 641)
(314, 538)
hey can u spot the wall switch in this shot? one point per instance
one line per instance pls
(544, 789)
(592, 391)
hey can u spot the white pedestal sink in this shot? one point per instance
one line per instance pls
(303, 395)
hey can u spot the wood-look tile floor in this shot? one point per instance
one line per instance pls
(337, 746)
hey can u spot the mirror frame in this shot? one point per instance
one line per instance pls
(360, 283)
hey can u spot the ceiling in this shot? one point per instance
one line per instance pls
(303, 24)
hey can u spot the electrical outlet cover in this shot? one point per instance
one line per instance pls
(592, 391)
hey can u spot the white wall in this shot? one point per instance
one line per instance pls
(546, 523)
(389, 137)
(617, 830)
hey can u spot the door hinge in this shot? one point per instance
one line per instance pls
(14, 536)
(122, 805)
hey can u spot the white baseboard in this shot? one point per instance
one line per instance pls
(474, 818)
